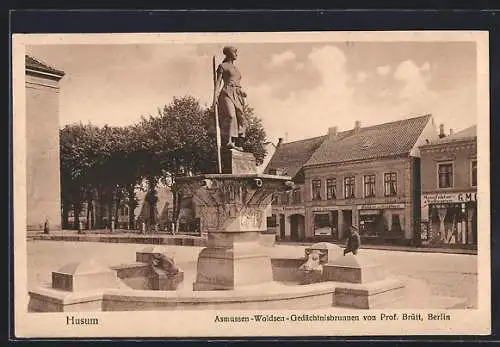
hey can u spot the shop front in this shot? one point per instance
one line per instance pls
(449, 218)
(382, 222)
(325, 225)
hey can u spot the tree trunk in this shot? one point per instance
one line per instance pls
(100, 217)
(89, 213)
(132, 204)
(151, 200)
(91, 205)
(93, 213)
(65, 215)
(110, 214)
(117, 210)
(176, 204)
(76, 210)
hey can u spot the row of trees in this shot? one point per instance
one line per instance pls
(108, 164)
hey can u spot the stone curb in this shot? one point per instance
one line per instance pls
(396, 248)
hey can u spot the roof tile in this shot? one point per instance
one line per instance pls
(291, 156)
(383, 140)
(35, 64)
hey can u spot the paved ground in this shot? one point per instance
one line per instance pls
(446, 274)
(127, 236)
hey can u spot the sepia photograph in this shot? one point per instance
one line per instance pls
(251, 184)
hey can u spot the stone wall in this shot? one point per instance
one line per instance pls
(42, 152)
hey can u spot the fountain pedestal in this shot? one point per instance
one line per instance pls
(231, 260)
(232, 210)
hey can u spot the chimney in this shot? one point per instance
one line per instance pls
(357, 125)
(280, 141)
(441, 131)
(451, 131)
(333, 131)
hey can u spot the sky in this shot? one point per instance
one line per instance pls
(299, 90)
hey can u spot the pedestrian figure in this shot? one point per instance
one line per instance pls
(46, 226)
(353, 241)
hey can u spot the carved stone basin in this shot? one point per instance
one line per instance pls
(232, 209)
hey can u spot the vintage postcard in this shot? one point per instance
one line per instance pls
(251, 184)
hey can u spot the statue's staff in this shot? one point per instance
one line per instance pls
(216, 112)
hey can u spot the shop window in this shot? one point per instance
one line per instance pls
(474, 173)
(369, 188)
(390, 184)
(445, 175)
(322, 224)
(272, 221)
(396, 223)
(296, 196)
(331, 189)
(371, 225)
(349, 187)
(316, 189)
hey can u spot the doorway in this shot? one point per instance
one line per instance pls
(297, 226)
(282, 227)
(347, 221)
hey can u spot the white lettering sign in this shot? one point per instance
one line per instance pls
(436, 198)
(381, 206)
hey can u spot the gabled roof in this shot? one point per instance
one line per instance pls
(291, 156)
(379, 141)
(462, 134)
(36, 65)
(467, 134)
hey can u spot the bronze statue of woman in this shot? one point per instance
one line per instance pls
(230, 100)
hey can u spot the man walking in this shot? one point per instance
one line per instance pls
(353, 241)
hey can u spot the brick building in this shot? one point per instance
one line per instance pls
(367, 177)
(42, 145)
(449, 189)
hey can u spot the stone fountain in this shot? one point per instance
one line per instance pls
(232, 210)
(234, 271)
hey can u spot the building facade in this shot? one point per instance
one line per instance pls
(449, 190)
(377, 196)
(287, 217)
(368, 177)
(42, 145)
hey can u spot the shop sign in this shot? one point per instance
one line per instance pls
(324, 209)
(368, 212)
(443, 198)
(381, 206)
